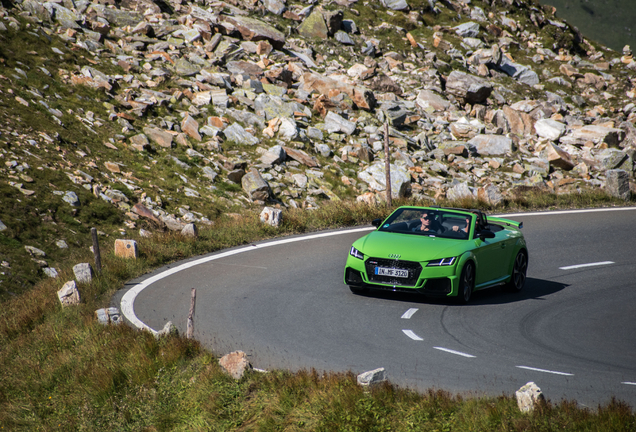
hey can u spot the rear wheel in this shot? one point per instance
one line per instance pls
(466, 283)
(519, 269)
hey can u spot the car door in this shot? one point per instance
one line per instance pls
(491, 255)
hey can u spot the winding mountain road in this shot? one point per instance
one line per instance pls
(572, 330)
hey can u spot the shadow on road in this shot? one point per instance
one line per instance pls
(535, 289)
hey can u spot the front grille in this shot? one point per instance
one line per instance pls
(414, 269)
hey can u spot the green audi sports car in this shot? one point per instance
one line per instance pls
(439, 252)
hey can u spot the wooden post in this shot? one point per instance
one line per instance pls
(190, 326)
(387, 165)
(96, 252)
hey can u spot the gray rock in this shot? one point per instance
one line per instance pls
(287, 130)
(519, 72)
(69, 294)
(550, 129)
(527, 396)
(83, 272)
(277, 7)
(172, 223)
(397, 5)
(467, 30)
(431, 101)
(343, 38)
(255, 185)
(271, 216)
(190, 230)
(106, 316)
(372, 378)
(336, 123)
(492, 145)
(471, 89)
(323, 149)
(460, 191)
(236, 133)
(375, 177)
(50, 272)
(61, 244)
(35, 252)
(2, 226)
(610, 158)
(71, 198)
(617, 184)
(274, 155)
(255, 30)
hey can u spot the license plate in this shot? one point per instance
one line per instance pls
(383, 271)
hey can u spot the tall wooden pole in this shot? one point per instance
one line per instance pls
(387, 165)
(190, 326)
(96, 252)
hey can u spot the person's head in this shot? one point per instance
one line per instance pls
(426, 218)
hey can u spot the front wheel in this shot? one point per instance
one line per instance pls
(519, 269)
(466, 283)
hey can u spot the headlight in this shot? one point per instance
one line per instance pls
(356, 253)
(441, 262)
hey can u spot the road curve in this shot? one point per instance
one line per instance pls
(572, 330)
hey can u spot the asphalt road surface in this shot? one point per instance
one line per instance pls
(572, 330)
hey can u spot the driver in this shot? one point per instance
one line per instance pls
(428, 224)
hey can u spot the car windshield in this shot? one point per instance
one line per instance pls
(429, 222)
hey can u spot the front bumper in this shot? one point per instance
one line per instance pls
(439, 281)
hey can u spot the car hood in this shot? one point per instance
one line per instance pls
(410, 247)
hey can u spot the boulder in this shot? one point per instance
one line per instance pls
(557, 157)
(527, 396)
(68, 294)
(126, 249)
(83, 272)
(429, 100)
(107, 316)
(235, 364)
(490, 145)
(190, 230)
(271, 216)
(549, 129)
(372, 377)
(375, 177)
(255, 30)
(469, 88)
(255, 186)
(335, 123)
(617, 184)
(314, 26)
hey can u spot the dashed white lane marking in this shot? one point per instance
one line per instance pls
(459, 353)
(629, 383)
(545, 371)
(409, 313)
(412, 335)
(586, 265)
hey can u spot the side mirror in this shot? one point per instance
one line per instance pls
(486, 234)
(376, 222)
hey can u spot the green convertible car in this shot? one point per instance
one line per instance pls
(438, 252)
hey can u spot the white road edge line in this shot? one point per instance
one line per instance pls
(128, 300)
(412, 335)
(459, 353)
(409, 313)
(561, 212)
(578, 266)
(545, 371)
(629, 383)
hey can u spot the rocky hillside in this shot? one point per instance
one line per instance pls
(135, 116)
